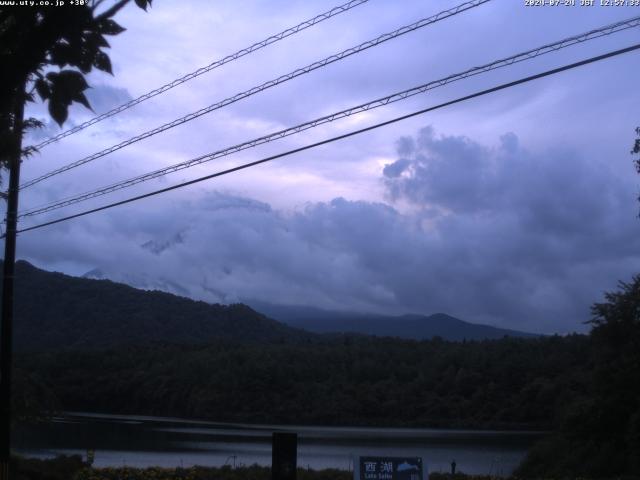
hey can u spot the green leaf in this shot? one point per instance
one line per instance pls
(86, 61)
(102, 62)
(67, 86)
(43, 89)
(99, 40)
(58, 110)
(63, 54)
(32, 123)
(143, 4)
(110, 27)
(81, 98)
(70, 81)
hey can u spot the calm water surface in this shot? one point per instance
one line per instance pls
(171, 442)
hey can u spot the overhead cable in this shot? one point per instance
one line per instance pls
(395, 97)
(340, 137)
(264, 86)
(218, 63)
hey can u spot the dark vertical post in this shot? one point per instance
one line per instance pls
(6, 318)
(284, 456)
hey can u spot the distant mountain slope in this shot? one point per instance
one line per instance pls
(54, 311)
(416, 327)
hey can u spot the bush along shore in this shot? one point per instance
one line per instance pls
(74, 468)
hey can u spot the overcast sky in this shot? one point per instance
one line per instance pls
(516, 209)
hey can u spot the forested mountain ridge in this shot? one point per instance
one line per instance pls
(584, 387)
(410, 327)
(56, 311)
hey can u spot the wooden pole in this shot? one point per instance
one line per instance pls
(8, 274)
(284, 456)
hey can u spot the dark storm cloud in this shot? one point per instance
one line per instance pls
(527, 234)
(449, 172)
(557, 193)
(497, 235)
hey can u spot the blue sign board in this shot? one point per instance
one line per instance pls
(390, 468)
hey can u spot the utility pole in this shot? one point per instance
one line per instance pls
(8, 274)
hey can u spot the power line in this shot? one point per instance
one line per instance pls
(607, 30)
(341, 137)
(218, 63)
(590, 35)
(264, 86)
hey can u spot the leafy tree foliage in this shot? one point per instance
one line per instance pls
(242, 367)
(56, 311)
(349, 380)
(49, 50)
(45, 50)
(600, 433)
(60, 468)
(32, 398)
(133, 351)
(636, 151)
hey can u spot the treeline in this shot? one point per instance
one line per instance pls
(586, 388)
(509, 383)
(65, 468)
(55, 311)
(599, 434)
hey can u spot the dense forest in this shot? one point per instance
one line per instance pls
(56, 311)
(511, 383)
(599, 434)
(584, 389)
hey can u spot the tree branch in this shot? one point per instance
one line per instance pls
(96, 4)
(113, 10)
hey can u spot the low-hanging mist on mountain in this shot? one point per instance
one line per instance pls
(55, 311)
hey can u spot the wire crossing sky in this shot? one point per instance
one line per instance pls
(269, 84)
(395, 97)
(342, 137)
(218, 63)
(517, 209)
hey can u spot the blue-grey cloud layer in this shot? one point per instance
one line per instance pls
(524, 229)
(494, 234)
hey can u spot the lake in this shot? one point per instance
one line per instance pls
(142, 441)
